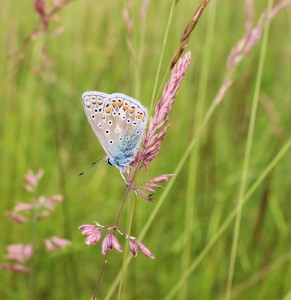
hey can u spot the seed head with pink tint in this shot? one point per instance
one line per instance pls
(253, 34)
(38, 208)
(56, 242)
(32, 179)
(147, 189)
(94, 233)
(157, 129)
(19, 252)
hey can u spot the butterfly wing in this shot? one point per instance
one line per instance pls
(124, 122)
(118, 121)
(93, 106)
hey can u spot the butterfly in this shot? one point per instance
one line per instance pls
(119, 123)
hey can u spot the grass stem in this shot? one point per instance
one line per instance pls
(244, 176)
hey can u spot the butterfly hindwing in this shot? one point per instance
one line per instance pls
(124, 120)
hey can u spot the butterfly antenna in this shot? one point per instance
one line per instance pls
(92, 165)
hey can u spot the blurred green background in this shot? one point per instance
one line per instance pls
(43, 126)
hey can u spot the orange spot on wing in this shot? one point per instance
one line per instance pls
(119, 102)
(132, 110)
(140, 115)
(108, 110)
(125, 107)
(103, 116)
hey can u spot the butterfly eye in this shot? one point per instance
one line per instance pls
(128, 121)
(109, 122)
(93, 116)
(110, 142)
(137, 132)
(134, 123)
(95, 110)
(127, 138)
(100, 125)
(107, 131)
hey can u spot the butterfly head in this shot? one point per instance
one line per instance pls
(121, 162)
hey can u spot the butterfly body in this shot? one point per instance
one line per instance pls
(119, 123)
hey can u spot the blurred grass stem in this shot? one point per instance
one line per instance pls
(260, 275)
(132, 210)
(162, 56)
(129, 188)
(229, 219)
(246, 161)
(194, 157)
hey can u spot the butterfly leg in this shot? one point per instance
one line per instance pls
(121, 173)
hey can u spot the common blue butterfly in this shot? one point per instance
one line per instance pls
(119, 123)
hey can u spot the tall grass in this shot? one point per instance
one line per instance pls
(190, 226)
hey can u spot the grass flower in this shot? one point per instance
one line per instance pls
(39, 207)
(36, 210)
(94, 233)
(56, 242)
(39, 6)
(132, 248)
(148, 189)
(144, 250)
(115, 243)
(17, 218)
(16, 268)
(31, 180)
(253, 35)
(157, 125)
(106, 244)
(19, 252)
(251, 38)
(187, 32)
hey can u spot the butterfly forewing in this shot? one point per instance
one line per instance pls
(117, 120)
